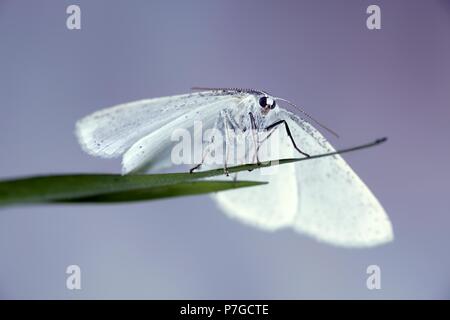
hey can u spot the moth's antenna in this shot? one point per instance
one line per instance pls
(309, 116)
(253, 91)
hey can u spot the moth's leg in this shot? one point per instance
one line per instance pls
(271, 131)
(274, 125)
(205, 151)
(231, 122)
(227, 149)
(191, 170)
(255, 140)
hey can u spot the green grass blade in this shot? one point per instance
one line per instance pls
(72, 187)
(113, 188)
(174, 190)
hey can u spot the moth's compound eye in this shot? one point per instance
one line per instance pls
(267, 102)
(263, 102)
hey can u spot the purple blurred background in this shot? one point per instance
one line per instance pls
(365, 84)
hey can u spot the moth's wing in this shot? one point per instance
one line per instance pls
(334, 205)
(154, 149)
(271, 206)
(110, 132)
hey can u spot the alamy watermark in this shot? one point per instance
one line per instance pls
(73, 281)
(373, 281)
(73, 21)
(213, 147)
(373, 21)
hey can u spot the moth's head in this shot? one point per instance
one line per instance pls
(267, 103)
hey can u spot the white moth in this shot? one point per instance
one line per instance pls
(323, 197)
